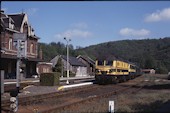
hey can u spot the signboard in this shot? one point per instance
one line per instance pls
(111, 106)
(20, 42)
(22, 49)
(19, 36)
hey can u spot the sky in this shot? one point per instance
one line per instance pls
(93, 22)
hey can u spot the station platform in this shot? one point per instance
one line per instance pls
(26, 80)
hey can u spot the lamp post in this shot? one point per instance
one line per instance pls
(67, 82)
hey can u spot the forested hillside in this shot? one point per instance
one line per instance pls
(52, 49)
(147, 53)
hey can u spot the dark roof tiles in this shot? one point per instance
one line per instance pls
(18, 18)
(73, 61)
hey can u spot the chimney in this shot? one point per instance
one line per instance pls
(40, 53)
(2, 11)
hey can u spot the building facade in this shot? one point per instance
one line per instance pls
(90, 64)
(17, 23)
(148, 71)
(44, 67)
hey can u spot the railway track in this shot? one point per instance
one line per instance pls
(37, 98)
(47, 103)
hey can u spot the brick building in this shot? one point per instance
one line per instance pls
(17, 23)
(44, 67)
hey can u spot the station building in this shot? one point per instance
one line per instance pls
(17, 23)
(75, 66)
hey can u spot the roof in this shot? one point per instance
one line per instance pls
(2, 23)
(34, 37)
(54, 60)
(88, 59)
(12, 30)
(107, 57)
(73, 61)
(18, 18)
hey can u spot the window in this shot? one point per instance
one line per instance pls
(109, 63)
(44, 70)
(31, 48)
(100, 63)
(47, 70)
(132, 67)
(11, 25)
(118, 70)
(10, 43)
(124, 70)
(25, 28)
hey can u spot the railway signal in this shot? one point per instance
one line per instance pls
(13, 105)
(14, 100)
(20, 42)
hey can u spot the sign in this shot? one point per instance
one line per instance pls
(20, 42)
(22, 49)
(19, 36)
(111, 106)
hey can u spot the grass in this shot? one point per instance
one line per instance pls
(142, 102)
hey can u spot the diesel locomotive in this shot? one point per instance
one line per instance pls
(115, 71)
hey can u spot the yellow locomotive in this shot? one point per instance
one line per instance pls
(114, 71)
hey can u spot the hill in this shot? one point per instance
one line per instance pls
(147, 53)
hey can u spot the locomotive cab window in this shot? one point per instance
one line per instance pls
(132, 67)
(109, 63)
(100, 62)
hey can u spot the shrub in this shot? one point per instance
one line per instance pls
(70, 74)
(50, 79)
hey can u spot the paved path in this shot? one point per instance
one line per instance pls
(31, 90)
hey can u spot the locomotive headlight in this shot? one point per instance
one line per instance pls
(97, 70)
(111, 70)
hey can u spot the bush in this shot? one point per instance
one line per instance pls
(70, 74)
(50, 79)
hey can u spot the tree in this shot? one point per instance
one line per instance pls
(58, 66)
(161, 68)
(150, 62)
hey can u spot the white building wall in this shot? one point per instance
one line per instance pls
(81, 71)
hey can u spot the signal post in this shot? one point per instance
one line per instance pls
(20, 42)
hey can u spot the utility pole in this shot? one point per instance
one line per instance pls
(61, 68)
(67, 82)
